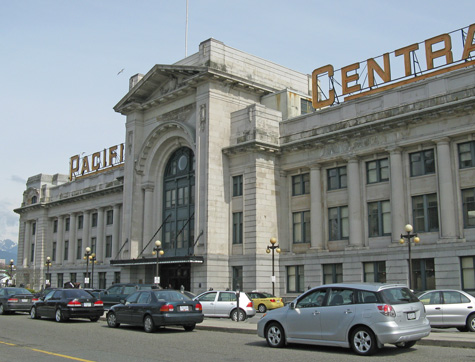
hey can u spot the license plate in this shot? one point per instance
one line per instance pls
(24, 300)
(184, 308)
(411, 315)
(87, 304)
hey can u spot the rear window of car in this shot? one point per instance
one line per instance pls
(76, 293)
(18, 291)
(171, 296)
(398, 296)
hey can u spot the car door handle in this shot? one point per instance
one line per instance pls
(348, 311)
(469, 307)
(316, 312)
(438, 308)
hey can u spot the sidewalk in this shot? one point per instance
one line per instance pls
(438, 337)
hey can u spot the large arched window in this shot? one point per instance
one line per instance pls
(179, 203)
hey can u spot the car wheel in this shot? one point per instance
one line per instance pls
(234, 315)
(148, 324)
(59, 315)
(262, 308)
(189, 327)
(363, 341)
(112, 320)
(406, 344)
(275, 335)
(33, 313)
(471, 323)
(2, 311)
(94, 319)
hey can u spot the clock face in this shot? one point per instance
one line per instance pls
(182, 162)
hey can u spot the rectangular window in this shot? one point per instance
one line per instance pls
(468, 203)
(55, 226)
(79, 249)
(237, 227)
(468, 272)
(336, 178)
(422, 163)
(116, 277)
(72, 277)
(110, 217)
(93, 244)
(66, 249)
(467, 154)
(332, 273)
(80, 222)
(237, 278)
(60, 280)
(379, 218)
(170, 198)
(108, 246)
(425, 213)
(32, 259)
(375, 272)
(237, 185)
(295, 279)
(94, 220)
(377, 171)
(301, 184)
(33, 228)
(66, 224)
(423, 274)
(301, 227)
(306, 106)
(338, 223)
(53, 257)
(102, 280)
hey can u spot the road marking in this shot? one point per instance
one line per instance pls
(50, 353)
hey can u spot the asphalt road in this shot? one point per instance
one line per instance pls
(23, 339)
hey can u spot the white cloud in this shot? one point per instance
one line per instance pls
(19, 179)
(9, 221)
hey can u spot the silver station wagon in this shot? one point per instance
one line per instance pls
(362, 316)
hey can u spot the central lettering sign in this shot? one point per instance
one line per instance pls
(97, 162)
(360, 79)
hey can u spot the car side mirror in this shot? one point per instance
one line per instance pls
(122, 301)
(292, 305)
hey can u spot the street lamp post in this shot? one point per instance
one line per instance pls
(270, 248)
(48, 263)
(92, 259)
(86, 257)
(12, 264)
(409, 236)
(157, 250)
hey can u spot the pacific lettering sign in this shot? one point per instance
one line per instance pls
(97, 162)
(435, 56)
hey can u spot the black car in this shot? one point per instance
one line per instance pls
(15, 300)
(62, 304)
(156, 308)
(119, 291)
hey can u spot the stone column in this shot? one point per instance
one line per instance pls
(396, 179)
(60, 241)
(100, 241)
(116, 231)
(72, 238)
(147, 216)
(85, 231)
(316, 211)
(354, 203)
(446, 190)
(26, 249)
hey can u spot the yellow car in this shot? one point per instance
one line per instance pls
(263, 301)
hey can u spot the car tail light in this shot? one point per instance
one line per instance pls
(13, 300)
(198, 307)
(74, 303)
(35, 299)
(98, 303)
(250, 305)
(167, 308)
(387, 310)
(272, 300)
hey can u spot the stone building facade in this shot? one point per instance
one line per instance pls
(223, 152)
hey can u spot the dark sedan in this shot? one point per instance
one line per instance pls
(156, 308)
(62, 304)
(15, 300)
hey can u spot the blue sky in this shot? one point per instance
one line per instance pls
(60, 59)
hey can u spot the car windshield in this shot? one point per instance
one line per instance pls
(14, 291)
(171, 296)
(398, 296)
